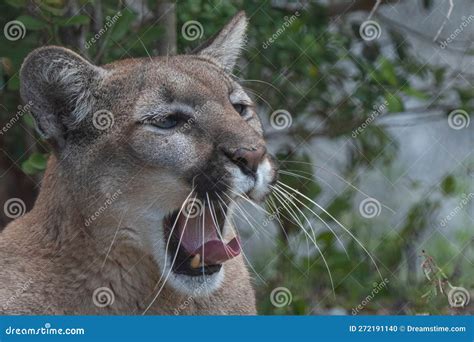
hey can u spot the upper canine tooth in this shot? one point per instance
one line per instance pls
(196, 261)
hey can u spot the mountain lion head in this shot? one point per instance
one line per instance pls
(161, 147)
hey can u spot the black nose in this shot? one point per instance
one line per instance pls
(248, 159)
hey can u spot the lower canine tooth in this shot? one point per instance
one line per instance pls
(196, 261)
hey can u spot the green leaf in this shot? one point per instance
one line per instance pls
(55, 7)
(38, 161)
(439, 75)
(28, 120)
(415, 93)
(339, 204)
(464, 94)
(14, 83)
(16, 3)
(448, 185)
(387, 71)
(31, 23)
(395, 104)
(34, 164)
(28, 168)
(75, 20)
(326, 237)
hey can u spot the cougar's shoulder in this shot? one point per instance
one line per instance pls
(23, 267)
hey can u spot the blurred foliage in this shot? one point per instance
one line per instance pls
(331, 81)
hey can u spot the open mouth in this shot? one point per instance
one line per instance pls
(196, 242)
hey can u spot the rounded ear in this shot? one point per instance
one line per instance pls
(225, 47)
(59, 85)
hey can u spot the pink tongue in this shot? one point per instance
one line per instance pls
(205, 241)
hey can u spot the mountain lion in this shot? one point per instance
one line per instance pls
(134, 211)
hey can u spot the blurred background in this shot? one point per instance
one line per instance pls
(367, 105)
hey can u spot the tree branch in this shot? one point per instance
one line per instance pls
(167, 43)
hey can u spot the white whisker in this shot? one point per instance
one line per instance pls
(336, 175)
(291, 212)
(299, 223)
(289, 173)
(339, 223)
(319, 217)
(166, 252)
(231, 223)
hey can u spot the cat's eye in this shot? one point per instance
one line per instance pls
(239, 108)
(165, 123)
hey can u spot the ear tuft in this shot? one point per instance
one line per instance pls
(58, 83)
(226, 46)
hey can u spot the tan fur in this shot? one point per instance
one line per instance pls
(52, 259)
